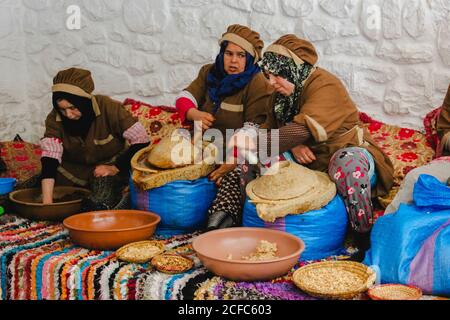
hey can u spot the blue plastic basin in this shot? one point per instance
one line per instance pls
(7, 185)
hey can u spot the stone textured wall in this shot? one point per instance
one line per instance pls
(393, 55)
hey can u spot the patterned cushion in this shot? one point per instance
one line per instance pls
(22, 159)
(430, 124)
(159, 121)
(406, 148)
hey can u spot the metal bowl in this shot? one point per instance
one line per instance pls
(111, 229)
(214, 249)
(28, 203)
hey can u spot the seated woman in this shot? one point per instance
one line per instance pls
(318, 120)
(228, 94)
(85, 141)
(443, 126)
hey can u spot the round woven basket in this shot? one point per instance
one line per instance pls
(172, 263)
(394, 292)
(143, 251)
(334, 279)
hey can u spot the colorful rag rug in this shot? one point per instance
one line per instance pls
(38, 262)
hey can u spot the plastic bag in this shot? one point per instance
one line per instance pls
(412, 246)
(182, 205)
(430, 192)
(323, 231)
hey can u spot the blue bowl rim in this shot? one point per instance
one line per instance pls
(7, 180)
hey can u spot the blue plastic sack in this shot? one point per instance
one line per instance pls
(182, 205)
(430, 192)
(441, 265)
(412, 246)
(322, 231)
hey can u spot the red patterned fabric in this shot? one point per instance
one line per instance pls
(406, 148)
(430, 124)
(158, 121)
(22, 159)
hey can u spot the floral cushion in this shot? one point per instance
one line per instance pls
(22, 159)
(406, 148)
(430, 124)
(159, 121)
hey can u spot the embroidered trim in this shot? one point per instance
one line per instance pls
(279, 49)
(102, 142)
(71, 177)
(64, 87)
(321, 132)
(232, 107)
(246, 45)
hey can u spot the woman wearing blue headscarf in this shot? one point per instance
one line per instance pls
(228, 94)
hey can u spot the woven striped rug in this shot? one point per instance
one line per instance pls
(39, 262)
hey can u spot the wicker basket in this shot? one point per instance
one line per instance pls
(334, 279)
(172, 263)
(140, 252)
(394, 292)
(147, 177)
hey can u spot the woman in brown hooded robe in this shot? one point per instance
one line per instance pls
(319, 123)
(229, 94)
(85, 141)
(443, 126)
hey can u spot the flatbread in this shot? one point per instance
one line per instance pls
(290, 181)
(173, 152)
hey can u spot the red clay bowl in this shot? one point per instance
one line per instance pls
(213, 249)
(109, 230)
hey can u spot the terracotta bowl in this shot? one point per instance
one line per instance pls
(28, 203)
(213, 249)
(109, 230)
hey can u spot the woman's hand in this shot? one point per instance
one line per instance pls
(220, 172)
(104, 170)
(303, 154)
(206, 118)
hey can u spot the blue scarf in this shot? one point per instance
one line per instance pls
(221, 85)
